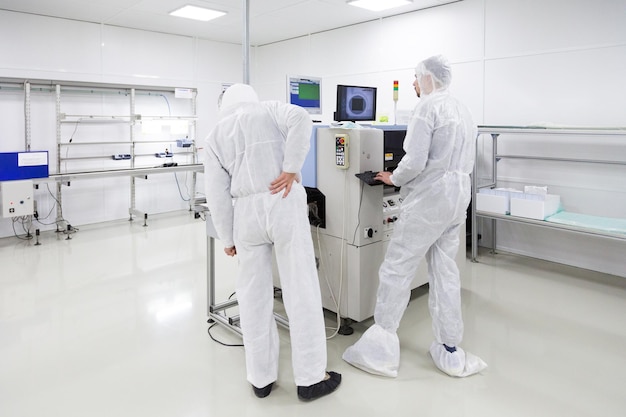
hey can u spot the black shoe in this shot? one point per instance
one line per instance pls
(320, 389)
(263, 392)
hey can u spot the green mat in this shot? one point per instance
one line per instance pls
(606, 224)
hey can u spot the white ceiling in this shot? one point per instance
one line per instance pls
(270, 20)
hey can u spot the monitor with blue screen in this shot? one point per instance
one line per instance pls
(305, 92)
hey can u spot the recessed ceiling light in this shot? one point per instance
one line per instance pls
(197, 13)
(378, 5)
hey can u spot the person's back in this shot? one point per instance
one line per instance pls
(253, 156)
(451, 147)
(251, 148)
(454, 134)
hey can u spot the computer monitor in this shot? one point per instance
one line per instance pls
(356, 104)
(305, 92)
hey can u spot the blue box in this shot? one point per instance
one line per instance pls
(23, 165)
(183, 143)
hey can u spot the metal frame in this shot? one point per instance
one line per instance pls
(495, 132)
(118, 173)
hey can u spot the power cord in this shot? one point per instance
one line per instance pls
(23, 220)
(337, 300)
(217, 341)
(169, 109)
(67, 148)
(38, 218)
(330, 289)
(179, 190)
(358, 217)
(70, 228)
(314, 217)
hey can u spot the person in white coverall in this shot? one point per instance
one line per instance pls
(434, 176)
(253, 158)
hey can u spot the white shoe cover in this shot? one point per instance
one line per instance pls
(459, 363)
(376, 352)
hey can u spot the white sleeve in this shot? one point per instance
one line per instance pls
(218, 196)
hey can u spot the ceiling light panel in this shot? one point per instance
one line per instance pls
(197, 13)
(379, 5)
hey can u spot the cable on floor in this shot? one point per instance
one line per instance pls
(217, 341)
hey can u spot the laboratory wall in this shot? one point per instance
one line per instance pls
(515, 63)
(50, 50)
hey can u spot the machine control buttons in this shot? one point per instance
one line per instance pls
(391, 211)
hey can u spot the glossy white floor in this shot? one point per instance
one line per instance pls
(112, 323)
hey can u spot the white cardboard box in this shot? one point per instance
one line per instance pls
(492, 203)
(535, 209)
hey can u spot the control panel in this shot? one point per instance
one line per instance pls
(17, 198)
(391, 213)
(341, 151)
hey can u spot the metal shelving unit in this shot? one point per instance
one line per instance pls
(130, 120)
(494, 132)
(128, 144)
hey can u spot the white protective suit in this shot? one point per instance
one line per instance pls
(249, 147)
(435, 187)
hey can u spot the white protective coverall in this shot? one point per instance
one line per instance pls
(435, 187)
(248, 148)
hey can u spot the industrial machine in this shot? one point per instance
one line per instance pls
(352, 236)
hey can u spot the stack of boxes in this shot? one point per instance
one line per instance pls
(533, 202)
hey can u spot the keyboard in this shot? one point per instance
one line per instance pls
(368, 178)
